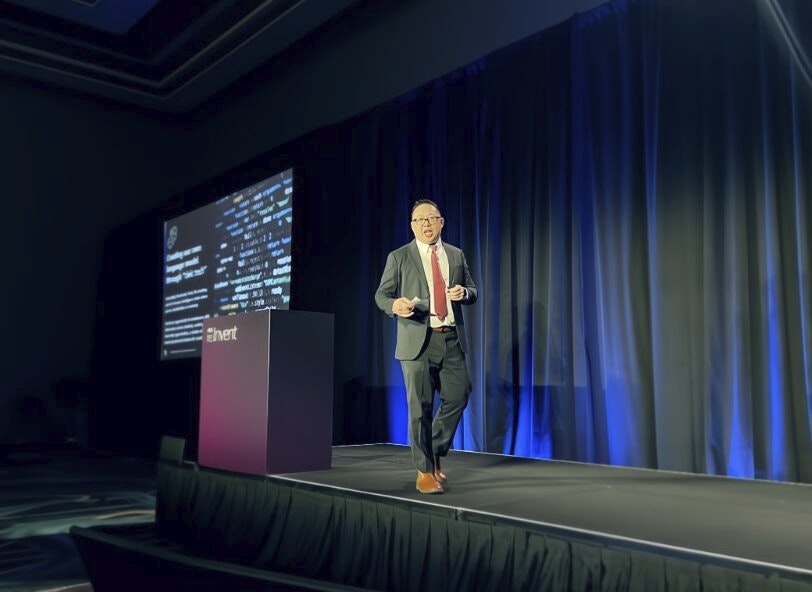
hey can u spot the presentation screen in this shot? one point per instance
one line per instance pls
(228, 257)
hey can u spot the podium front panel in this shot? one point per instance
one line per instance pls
(233, 393)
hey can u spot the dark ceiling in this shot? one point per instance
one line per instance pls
(175, 55)
(167, 55)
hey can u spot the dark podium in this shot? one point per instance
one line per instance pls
(266, 392)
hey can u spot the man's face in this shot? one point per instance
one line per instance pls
(426, 223)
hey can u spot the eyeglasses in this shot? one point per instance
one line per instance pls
(430, 220)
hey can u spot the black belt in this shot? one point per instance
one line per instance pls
(444, 329)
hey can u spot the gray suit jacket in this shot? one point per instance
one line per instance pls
(404, 276)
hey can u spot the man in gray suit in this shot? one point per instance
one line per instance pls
(424, 285)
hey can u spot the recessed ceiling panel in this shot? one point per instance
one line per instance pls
(173, 55)
(169, 55)
(111, 16)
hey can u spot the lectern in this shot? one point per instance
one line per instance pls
(266, 392)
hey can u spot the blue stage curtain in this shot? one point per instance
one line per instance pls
(632, 189)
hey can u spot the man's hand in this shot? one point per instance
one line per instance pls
(456, 292)
(403, 307)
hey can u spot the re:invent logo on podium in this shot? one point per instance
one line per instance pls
(215, 335)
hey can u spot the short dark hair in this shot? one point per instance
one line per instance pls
(421, 202)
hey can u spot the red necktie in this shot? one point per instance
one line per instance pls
(440, 306)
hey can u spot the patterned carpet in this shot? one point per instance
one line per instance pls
(44, 493)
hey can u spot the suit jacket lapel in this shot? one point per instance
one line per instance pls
(453, 265)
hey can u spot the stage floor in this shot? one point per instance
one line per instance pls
(762, 524)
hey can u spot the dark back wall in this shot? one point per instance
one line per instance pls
(385, 50)
(72, 169)
(85, 181)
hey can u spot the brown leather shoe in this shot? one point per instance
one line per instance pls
(426, 483)
(438, 473)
